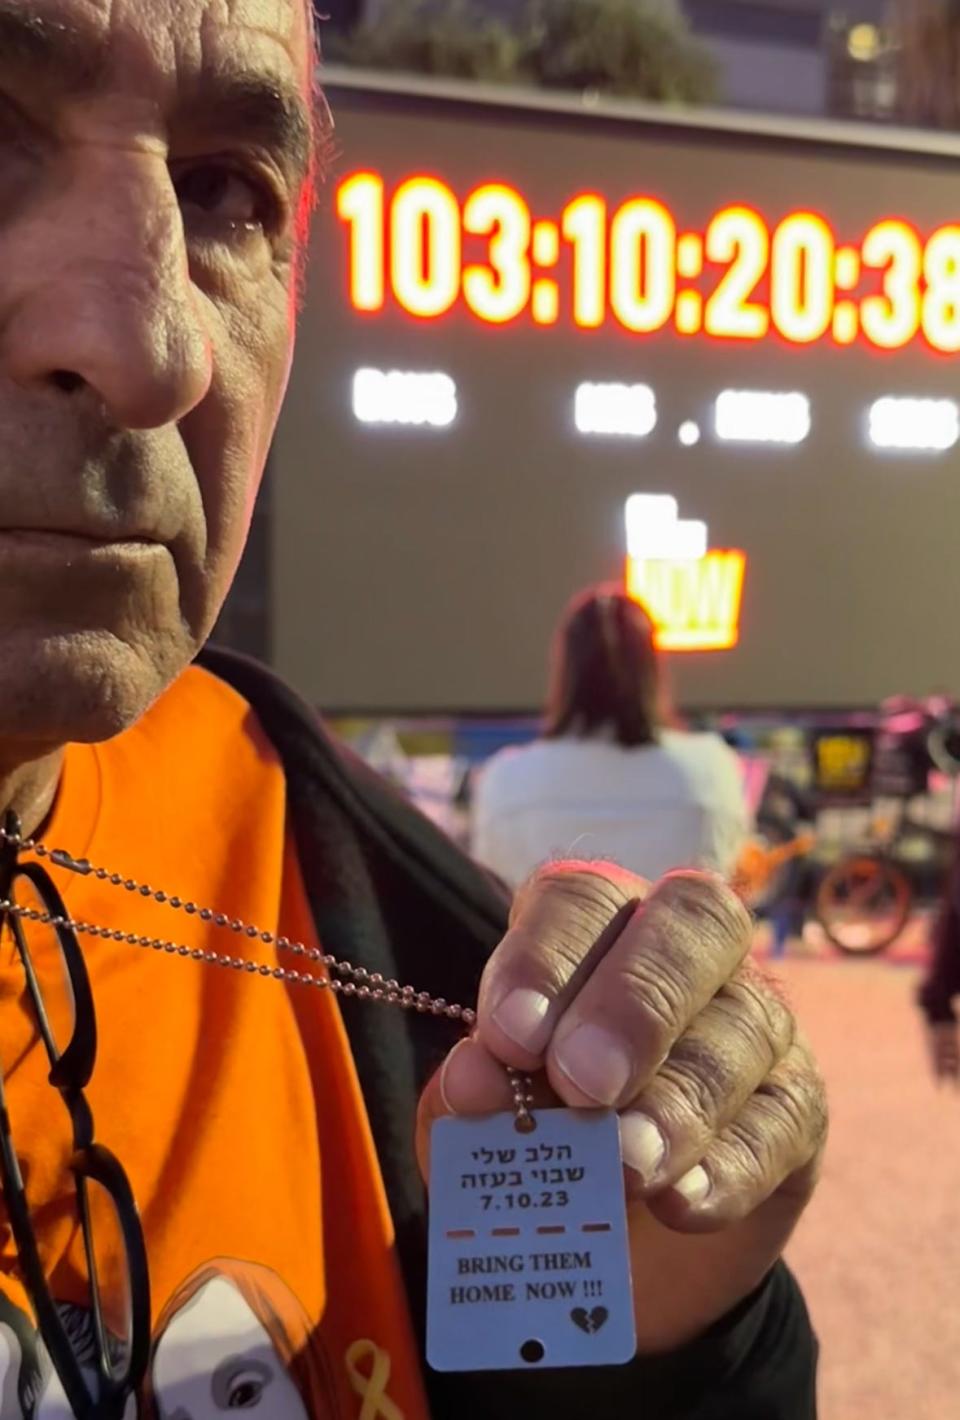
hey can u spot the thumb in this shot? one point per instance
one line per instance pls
(470, 1081)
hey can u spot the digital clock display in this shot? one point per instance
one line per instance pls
(523, 322)
(423, 247)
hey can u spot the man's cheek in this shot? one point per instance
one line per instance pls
(229, 501)
(258, 366)
(228, 436)
(227, 439)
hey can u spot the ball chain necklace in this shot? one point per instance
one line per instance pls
(464, 1184)
(344, 978)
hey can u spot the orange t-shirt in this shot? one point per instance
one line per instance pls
(231, 1101)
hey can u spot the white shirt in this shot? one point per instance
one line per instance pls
(676, 804)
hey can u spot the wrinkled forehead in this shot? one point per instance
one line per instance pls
(160, 44)
(165, 68)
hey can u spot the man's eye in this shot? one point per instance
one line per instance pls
(216, 192)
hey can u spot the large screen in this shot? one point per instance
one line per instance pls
(542, 348)
(736, 280)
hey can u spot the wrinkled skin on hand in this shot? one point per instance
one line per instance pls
(641, 999)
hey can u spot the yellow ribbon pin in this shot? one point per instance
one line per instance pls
(372, 1386)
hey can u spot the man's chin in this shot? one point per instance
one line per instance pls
(84, 685)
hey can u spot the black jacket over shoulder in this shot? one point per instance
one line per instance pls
(391, 893)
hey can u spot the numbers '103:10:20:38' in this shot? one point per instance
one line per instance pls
(741, 279)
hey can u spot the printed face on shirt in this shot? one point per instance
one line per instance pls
(152, 164)
(20, 1365)
(216, 1356)
(30, 1388)
(53, 1404)
(10, 1358)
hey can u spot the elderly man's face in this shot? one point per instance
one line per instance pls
(152, 158)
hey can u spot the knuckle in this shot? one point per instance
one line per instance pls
(752, 1148)
(580, 898)
(761, 1020)
(783, 1126)
(796, 1105)
(780, 1109)
(658, 994)
(815, 1103)
(708, 904)
(547, 959)
(699, 1078)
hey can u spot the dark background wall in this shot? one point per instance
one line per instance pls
(425, 570)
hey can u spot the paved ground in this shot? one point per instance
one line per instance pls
(879, 1253)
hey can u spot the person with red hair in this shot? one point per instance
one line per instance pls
(234, 1336)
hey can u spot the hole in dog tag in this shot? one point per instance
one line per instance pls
(529, 1255)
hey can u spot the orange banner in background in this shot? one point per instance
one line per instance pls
(695, 605)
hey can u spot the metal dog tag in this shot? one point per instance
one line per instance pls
(529, 1256)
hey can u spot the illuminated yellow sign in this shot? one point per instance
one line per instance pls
(695, 605)
(843, 762)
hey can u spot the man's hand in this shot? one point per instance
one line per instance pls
(641, 1000)
(944, 1041)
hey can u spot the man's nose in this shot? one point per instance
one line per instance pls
(108, 307)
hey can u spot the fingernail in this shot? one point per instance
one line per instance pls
(643, 1146)
(695, 1185)
(522, 1016)
(596, 1063)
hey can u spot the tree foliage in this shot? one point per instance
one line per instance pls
(632, 48)
(441, 37)
(638, 48)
